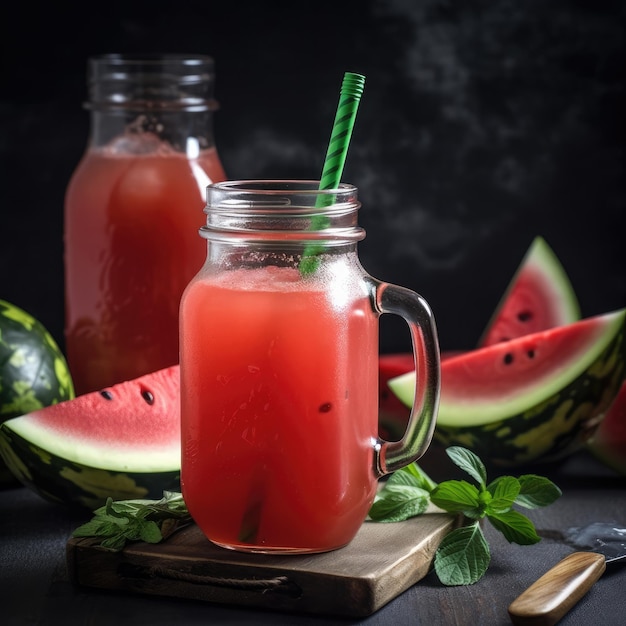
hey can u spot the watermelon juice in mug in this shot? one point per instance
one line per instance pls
(279, 366)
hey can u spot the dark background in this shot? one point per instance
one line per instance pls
(483, 124)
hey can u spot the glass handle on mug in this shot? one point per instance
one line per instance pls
(393, 455)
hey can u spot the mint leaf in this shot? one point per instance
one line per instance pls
(536, 491)
(111, 510)
(90, 529)
(170, 505)
(396, 503)
(149, 532)
(402, 477)
(108, 527)
(462, 557)
(504, 491)
(457, 496)
(516, 528)
(413, 474)
(115, 543)
(405, 494)
(125, 508)
(468, 462)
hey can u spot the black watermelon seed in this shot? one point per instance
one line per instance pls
(147, 396)
(324, 408)
(524, 316)
(106, 394)
(531, 354)
(508, 358)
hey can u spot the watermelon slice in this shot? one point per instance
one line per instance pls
(122, 442)
(537, 397)
(608, 444)
(540, 296)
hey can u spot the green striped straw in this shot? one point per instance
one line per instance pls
(351, 91)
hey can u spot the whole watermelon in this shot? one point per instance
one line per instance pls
(33, 370)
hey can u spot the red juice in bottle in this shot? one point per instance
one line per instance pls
(133, 208)
(132, 245)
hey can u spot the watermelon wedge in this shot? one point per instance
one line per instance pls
(122, 442)
(537, 397)
(539, 296)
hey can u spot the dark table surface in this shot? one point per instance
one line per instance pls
(35, 588)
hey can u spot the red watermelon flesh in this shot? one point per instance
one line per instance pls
(134, 425)
(539, 296)
(609, 442)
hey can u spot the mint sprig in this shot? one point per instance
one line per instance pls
(406, 494)
(122, 521)
(463, 556)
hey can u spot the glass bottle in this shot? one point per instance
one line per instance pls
(132, 210)
(279, 371)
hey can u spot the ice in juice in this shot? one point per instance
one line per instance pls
(279, 408)
(131, 247)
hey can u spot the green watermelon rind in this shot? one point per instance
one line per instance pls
(540, 258)
(22, 339)
(63, 481)
(33, 371)
(478, 412)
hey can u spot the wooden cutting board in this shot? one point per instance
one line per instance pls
(380, 563)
